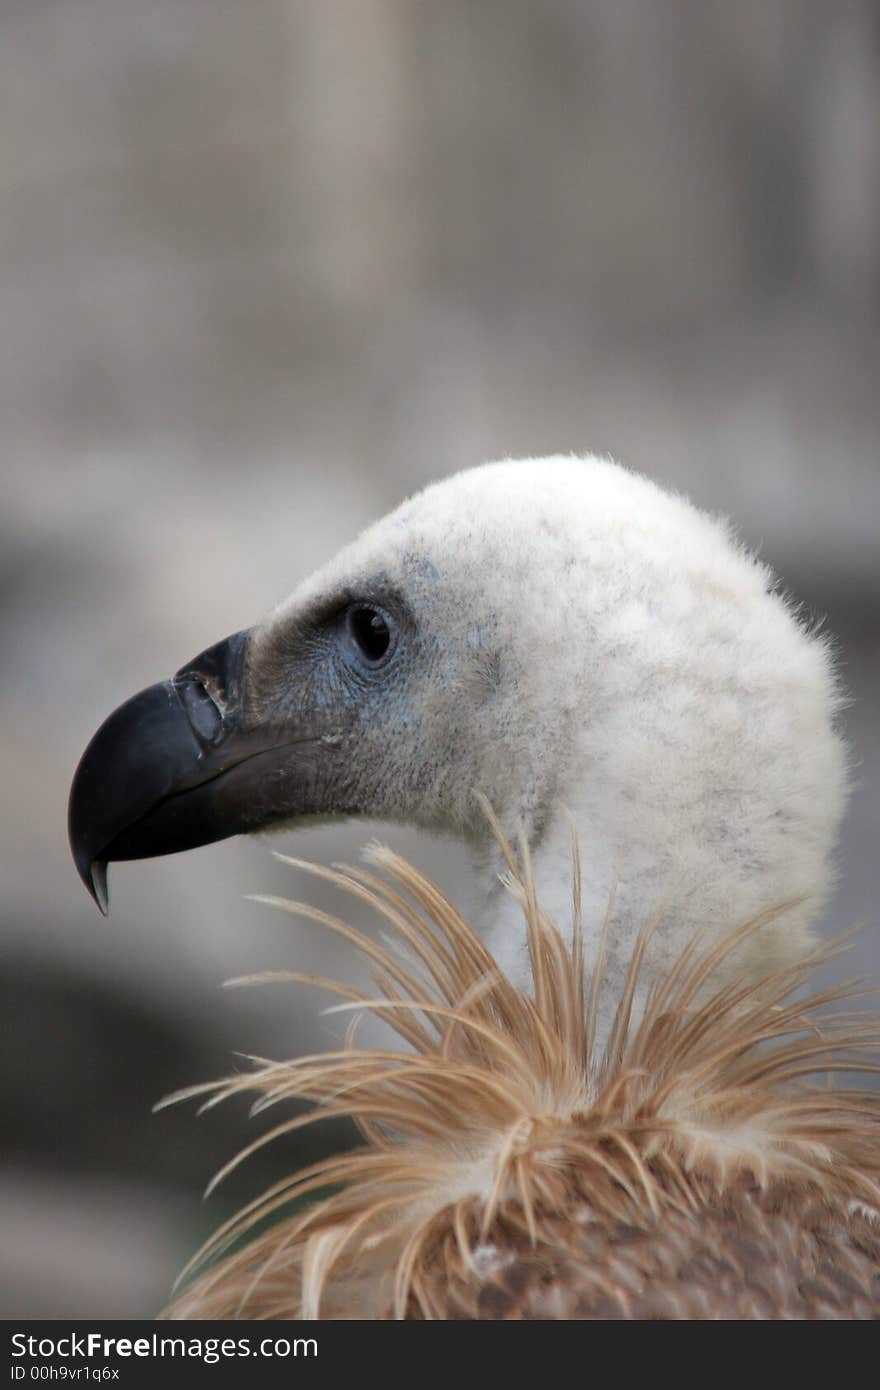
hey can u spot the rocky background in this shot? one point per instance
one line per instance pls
(266, 267)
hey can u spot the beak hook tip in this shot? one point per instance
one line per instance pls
(97, 886)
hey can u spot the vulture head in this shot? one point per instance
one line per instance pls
(557, 637)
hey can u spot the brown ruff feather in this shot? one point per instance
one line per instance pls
(691, 1170)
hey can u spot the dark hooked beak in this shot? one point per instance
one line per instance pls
(174, 767)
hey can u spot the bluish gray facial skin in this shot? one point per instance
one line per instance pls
(268, 726)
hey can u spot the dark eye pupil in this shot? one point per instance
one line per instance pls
(371, 632)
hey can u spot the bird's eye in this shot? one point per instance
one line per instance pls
(372, 632)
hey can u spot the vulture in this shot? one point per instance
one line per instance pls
(611, 1097)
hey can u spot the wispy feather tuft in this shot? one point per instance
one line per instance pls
(509, 1169)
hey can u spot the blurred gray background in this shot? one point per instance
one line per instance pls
(269, 266)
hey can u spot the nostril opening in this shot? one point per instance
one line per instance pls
(201, 708)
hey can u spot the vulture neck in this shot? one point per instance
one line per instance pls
(674, 893)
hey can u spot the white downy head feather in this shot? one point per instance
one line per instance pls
(592, 653)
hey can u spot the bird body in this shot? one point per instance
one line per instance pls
(542, 652)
